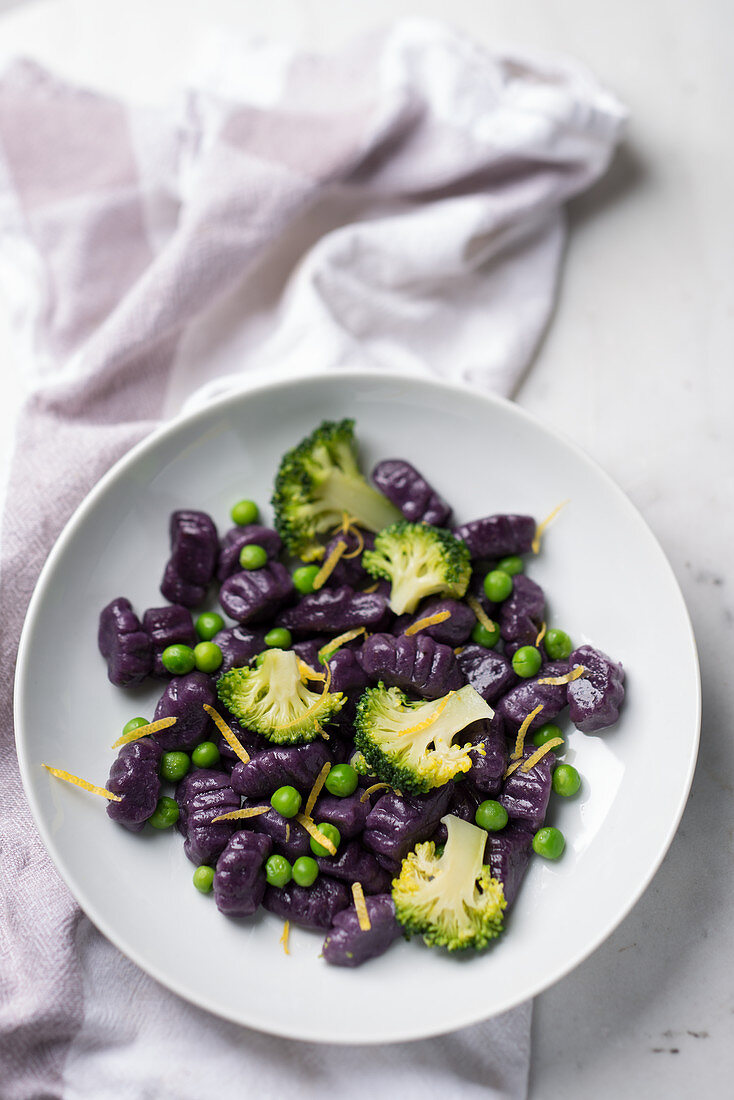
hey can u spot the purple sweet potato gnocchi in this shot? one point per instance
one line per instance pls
(279, 766)
(184, 700)
(416, 663)
(348, 944)
(202, 795)
(180, 591)
(239, 879)
(595, 698)
(134, 775)
(397, 822)
(254, 595)
(310, 907)
(124, 644)
(169, 625)
(529, 694)
(508, 854)
(349, 570)
(410, 492)
(194, 551)
(239, 644)
(525, 795)
(335, 610)
(353, 864)
(452, 631)
(522, 612)
(252, 535)
(348, 814)
(289, 838)
(489, 759)
(488, 672)
(497, 536)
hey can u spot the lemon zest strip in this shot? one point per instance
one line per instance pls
(361, 906)
(567, 678)
(331, 647)
(481, 615)
(238, 815)
(522, 732)
(315, 832)
(429, 721)
(86, 786)
(535, 544)
(537, 756)
(371, 790)
(316, 789)
(229, 736)
(308, 673)
(541, 634)
(329, 565)
(144, 731)
(284, 938)
(429, 620)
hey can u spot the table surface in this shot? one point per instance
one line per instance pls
(637, 369)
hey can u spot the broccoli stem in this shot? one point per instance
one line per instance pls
(348, 494)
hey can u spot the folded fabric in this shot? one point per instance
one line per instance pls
(397, 204)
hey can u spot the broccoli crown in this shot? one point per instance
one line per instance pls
(273, 700)
(408, 745)
(449, 897)
(419, 560)
(317, 482)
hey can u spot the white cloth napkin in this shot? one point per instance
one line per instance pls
(401, 204)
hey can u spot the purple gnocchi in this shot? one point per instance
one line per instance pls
(525, 795)
(353, 864)
(251, 535)
(253, 595)
(124, 644)
(397, 822)
(521, 700)
(348, 944)
(202, 795)
(416, 663)
(335, 610)
(489, 758)
(508, 855)
(194, 551)
(169, 625)
(184, 700)
(522, 612)
(595, 698)
(349, 569)
(239, 644)
(279, 766)
(289, 838)
(239, 879)
(452, 631)
(497, 536)
(348, 814)
(312, 907)
(411, 493)
(134, 775)
(488, 672)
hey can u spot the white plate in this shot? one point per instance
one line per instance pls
(607, 582)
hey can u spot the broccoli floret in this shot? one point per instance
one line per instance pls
(408, 745)
(273, 700)
(450, 897)
(317, 482)
(419, 560)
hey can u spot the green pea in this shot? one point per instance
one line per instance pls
(526, 661)
(178, 659)
(208, 656)
(512, 565)
(558, 645)
(286, 801)
(165, 814)
(549, 842)
(487, 638)
(253, 556)
(342, 780)
(204, 878)
(566, 780)
(208, 624)
(278, 638)
(546, 733)
(278, 871)
(497, 585)
(134, 724)
(305, 871)
(205, 755)
(303, 578)
(333, 835)
(491, 815)
(245, 512)
(174, 766)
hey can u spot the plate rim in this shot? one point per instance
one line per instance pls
(187, 418)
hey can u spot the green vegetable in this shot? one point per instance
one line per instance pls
(558, 645)
(278, 871)
(208, 656)
(566, 780)
(546, 733)
(205, 755)
(252, 556)
(305, 871)
(408, 745)
(245, 512)
(549, 842)
(526, 661)
(208, 624)
(134, 724)
(491, 815)
(450, 898)
(512, 565)
(418, 560)
(273, 700)
(497, 585)
(342, 780)
(178, 659)
(286, 801)
(487, 638)
(204, 878)
(303, 578)
(278, 638)
(165, 813)
(317, 483)
(333, 835)
(174, 766)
